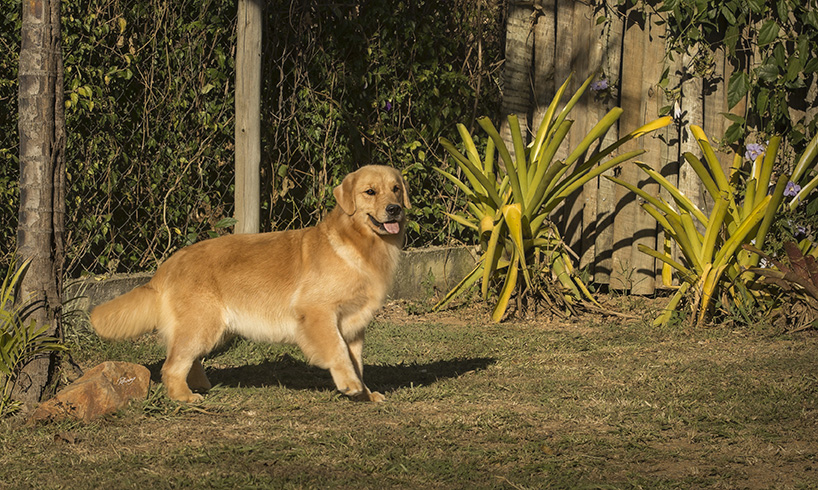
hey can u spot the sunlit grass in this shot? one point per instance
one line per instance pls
(593, 403)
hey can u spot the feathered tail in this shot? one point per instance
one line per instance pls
(129, 315)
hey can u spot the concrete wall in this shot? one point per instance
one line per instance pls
(421, 273)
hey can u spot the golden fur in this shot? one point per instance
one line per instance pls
(316, 287)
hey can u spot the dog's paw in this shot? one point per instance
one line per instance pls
(368, 396)
(195, 398)
(191, 398)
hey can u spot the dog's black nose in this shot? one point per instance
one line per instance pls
(393, 209)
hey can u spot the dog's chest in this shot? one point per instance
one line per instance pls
(362, 267)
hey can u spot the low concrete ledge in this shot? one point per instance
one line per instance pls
(97, 290)
(421, 273)
(424, 271)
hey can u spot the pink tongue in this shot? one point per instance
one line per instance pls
(392, 227)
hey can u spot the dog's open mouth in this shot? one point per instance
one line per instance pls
(389, 227)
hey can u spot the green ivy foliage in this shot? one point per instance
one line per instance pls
(372, 82)
(781, 39)
(9, 163)
(772, 45)
(150, 114)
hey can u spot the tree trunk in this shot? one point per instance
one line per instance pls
(42, 177)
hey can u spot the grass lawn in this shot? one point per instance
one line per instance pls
(589, 403)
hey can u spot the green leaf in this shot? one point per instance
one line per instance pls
(783, 11)
(767, 72)
(762, 99)
(768, 33)
(704, 174)
(476, 177)
(737, 88)
(731, 38)
(598, 131)
(757, 6)
(780, 55)
(733, 117)
(226, 222)
(727, 12)
(460, 185)
(812, 19)
(733, 133)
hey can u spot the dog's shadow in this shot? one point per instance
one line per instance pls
(293, 373)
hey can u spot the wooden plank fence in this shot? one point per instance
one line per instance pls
(604, 223)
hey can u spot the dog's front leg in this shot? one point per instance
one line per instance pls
(356, 349)
(324, 346)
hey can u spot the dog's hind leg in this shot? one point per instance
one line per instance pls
(175, 373)
(193, 337)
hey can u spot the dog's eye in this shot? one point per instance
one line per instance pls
(371, 192)
(396, 189)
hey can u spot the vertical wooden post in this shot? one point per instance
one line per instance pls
(248, 126)
(517, 70)
(605, 215)
(544, 57)
(635, 44)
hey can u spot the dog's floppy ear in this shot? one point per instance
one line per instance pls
(406, 203)
(345, 194)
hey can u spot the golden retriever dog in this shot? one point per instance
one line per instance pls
(316, 287)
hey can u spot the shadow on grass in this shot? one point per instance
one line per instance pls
(293, 373)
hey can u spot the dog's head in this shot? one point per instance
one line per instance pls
(376, 197)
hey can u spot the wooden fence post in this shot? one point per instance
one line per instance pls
(248, 126)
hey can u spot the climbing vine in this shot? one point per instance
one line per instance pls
(772, 45)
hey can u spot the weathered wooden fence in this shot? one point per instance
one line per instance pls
(549, 39)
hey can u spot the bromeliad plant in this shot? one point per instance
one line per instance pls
(742, 213)
(510, 201)
(21, 339)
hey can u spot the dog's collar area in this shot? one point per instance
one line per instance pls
(387, 227)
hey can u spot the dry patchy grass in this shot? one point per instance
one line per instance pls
(590, 403)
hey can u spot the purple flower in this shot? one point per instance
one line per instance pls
(792, 189)
(800, 231)
(388, 106)
(599, 85)
(754, 150)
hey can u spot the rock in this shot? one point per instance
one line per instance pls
(102, 390)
